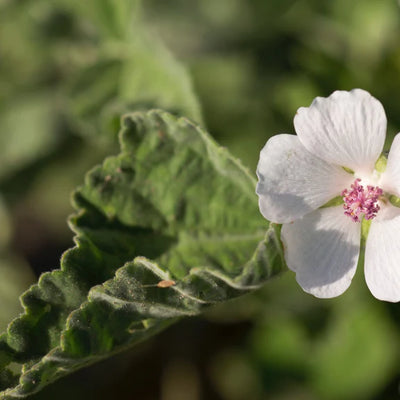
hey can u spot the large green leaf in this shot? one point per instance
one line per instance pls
(169, 226)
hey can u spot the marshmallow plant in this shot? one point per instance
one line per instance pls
(328, 186)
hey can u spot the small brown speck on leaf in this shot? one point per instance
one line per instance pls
(165, 284)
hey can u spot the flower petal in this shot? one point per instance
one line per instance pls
(346, 129)
(323, 249)
(293, 182)
(382, 255)
(390, 181)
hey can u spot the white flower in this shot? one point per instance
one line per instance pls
(339, 140)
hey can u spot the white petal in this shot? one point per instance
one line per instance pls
(346, 128)
(323, 249)
(293, 182)
(390, 181)
(382, 255)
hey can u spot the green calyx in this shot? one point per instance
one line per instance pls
(380, 165)
(336, 201)
(394, 200)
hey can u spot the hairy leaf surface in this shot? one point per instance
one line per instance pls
(167, 227)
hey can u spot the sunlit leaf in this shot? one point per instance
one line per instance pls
(171, 207)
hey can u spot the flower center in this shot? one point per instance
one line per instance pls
(359, 202)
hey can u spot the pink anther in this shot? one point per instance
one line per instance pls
(359, 202)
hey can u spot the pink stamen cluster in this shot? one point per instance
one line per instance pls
(359, 201)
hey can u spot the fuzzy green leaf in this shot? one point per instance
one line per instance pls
(169, 226)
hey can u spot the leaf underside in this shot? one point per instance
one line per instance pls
(172, 207)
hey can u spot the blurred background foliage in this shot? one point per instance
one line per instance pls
(70, 68)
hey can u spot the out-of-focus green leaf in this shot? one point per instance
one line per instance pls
(92, 92)
(172, 195)
(151, 75)
(282, 345)
(366, 27)
(112, 18)
(141, 74)
(135, 71)
(359, 350)
(5, 224)
(27, 131)
(86, 63)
